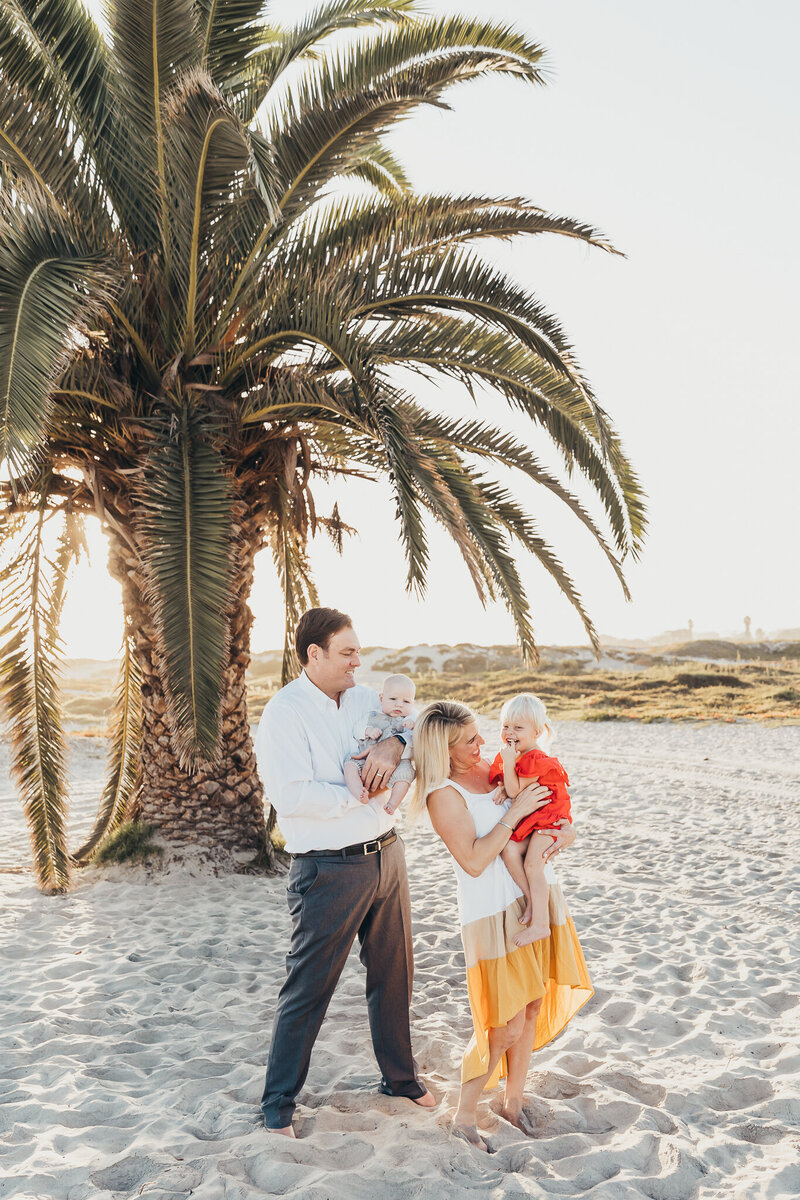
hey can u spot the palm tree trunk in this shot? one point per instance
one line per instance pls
(215, 805)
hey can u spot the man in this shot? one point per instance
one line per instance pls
(348, 874)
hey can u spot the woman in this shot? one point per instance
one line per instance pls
(520, 997)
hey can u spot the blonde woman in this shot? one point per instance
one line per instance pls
(520, 996)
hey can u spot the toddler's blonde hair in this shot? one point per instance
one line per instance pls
(527, 707)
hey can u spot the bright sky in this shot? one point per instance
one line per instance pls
(672, 128)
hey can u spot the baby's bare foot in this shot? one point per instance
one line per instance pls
(364, 797)
(534, 934)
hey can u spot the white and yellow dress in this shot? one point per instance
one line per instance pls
(501, 977)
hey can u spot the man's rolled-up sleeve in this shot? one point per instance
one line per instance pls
(284, 764)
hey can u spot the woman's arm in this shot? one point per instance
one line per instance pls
(454, 825)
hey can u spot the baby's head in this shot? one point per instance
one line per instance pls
(523, 720)
(397, 697)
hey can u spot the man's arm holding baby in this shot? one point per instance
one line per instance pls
(379, 763)
(283, 752)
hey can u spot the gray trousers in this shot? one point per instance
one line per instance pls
(331, 900)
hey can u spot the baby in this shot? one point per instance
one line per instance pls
(396, 715)
(520, 762)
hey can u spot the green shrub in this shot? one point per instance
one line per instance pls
(132, 842)
(709, 679)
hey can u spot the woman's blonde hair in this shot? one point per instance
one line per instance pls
(438, 727)
(527, 707)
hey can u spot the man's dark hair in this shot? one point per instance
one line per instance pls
(316, 628)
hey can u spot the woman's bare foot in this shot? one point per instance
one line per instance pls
(469, 1133)
(517, 1118)
(534, 934)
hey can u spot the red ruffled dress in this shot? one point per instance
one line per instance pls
(535, 764)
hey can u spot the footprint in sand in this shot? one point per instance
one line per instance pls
(759, 1135)
(651, 1094)
(618, 1013)
(734, 1093)
(557, 1087)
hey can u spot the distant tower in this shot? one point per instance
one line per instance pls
(747, 628)
(691, 629)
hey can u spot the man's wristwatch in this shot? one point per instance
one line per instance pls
(403, 737)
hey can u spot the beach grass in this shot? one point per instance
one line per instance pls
(679, 691)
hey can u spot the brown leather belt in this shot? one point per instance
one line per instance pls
(358, 848)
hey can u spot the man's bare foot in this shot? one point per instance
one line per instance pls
(517, 1118)
(527, 916)
(426, 1101)
(534, 934)
(284, 1131)
(469, 1133)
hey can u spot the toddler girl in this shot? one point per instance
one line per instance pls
(520, 762)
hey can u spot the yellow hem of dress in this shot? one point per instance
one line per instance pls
(552, 970)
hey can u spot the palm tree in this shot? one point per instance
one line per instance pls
(210, 266)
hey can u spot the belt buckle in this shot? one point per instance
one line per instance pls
(375, 844)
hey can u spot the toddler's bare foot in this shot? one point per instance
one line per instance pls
(527, 916)
(534, 934)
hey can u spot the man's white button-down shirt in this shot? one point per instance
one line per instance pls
(302, 743)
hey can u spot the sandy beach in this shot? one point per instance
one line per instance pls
(137, 1014)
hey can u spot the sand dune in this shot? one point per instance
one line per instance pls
(136, 1014)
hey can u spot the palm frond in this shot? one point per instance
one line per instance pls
(487, 441)
(489, 537)
(231, 32)
(344, 103)
(350, 231)
(51, 285)
(460, 282)
(381, 168)
(33, 589)
(56, 52)
(288, 542)
(287, 46)
(510, 514)
(207, 156)
(41, 150)
(123, 779)
(471, 353)
(154, 42)
(186, 501)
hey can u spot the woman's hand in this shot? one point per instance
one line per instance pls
(564, 836)
(529, 800)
